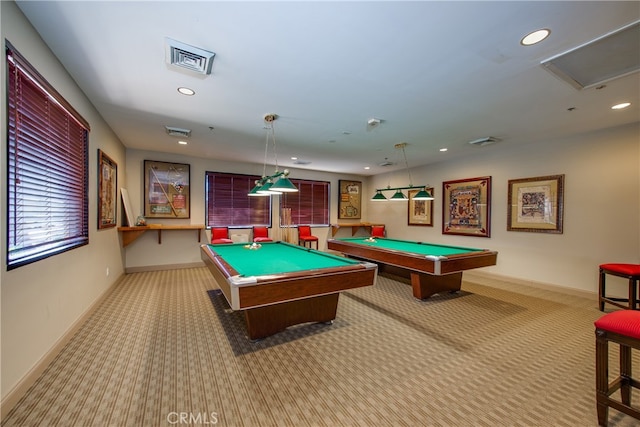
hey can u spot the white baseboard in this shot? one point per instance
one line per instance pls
(507, 282)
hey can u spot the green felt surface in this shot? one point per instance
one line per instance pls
(276, 258)
(411, 247)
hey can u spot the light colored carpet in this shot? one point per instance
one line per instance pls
(164, 349)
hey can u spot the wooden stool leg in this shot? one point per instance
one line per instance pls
(601, 293)
(625, 374)
(602, 377)
(633, 293)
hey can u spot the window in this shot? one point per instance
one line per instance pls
(47, 164)
(310, 205)
(228, 204)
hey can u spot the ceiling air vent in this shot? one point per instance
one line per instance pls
(611, 56)
(481, 142)
(189, 57)
(180, 133)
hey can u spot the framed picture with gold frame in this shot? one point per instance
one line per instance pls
(536, 204)
(420, 212)
(107, 191)
(166, 190)
(350, 203)
(466, 207)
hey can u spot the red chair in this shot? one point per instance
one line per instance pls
(304, 236)
(220, 235)
(620, 327)
(377, 231)
(261, 234)
(628, 271)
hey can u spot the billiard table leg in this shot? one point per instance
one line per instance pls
(425, 285)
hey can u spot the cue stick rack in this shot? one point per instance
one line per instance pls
(286, 233)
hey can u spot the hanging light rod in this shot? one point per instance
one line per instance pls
(279, 182)
(423, 194)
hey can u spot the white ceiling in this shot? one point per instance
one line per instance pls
(438, 74)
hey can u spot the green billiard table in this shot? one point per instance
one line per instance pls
(279, 284)
(432, 268)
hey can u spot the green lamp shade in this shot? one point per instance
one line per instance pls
(423, 195)
(266, 189)
(399, 196)
(378, 197)
(284, 185)
(254, 191)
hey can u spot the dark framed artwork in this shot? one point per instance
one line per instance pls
(350, 202)
(420, 212)
(466, 207)
(536, 204)
(166, 190)
(107, 191)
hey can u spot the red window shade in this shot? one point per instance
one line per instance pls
(229, 205)
(47, 185)
(310, 205)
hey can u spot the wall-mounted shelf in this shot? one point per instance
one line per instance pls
(354, 227)
(130, 234)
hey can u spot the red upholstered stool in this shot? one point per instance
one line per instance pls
(629, 271)
(621, 327)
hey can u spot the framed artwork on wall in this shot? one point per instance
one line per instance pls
(166, 190)
(107, 191)
(536, 204)
(420, 212)
(350, 202)
(466, 207)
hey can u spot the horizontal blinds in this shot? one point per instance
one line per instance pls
(229, 205)
(310, 205)
(47, 169)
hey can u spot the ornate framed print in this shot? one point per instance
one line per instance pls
(166, 190)
(536, 204)
(420, 212)
(350, 203)
(107, 191)
(466, 207)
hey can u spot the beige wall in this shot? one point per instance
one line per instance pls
(602, 206)
(182, 247)
(41, 301)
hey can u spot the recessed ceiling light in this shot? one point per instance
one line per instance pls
(443, 149)
(182, 142)
(186, 91)
(294, 158)
(535, 37)
(367, 168)
(621, 106)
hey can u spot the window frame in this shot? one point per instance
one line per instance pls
(46, 139)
